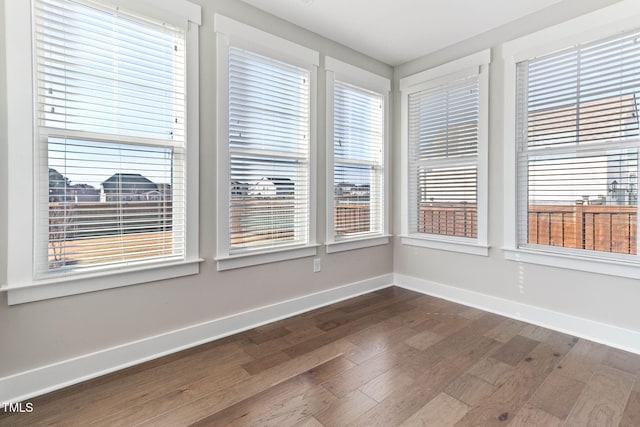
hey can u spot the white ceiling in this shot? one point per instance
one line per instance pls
(397, 31)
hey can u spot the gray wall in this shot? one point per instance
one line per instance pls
(40, 333)
(606, 299)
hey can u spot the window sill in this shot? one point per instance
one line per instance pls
(39, 290)
(356, 243)
(591, 264)
(231, 262)
(447, 244)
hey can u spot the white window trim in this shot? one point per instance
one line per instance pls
(233, 33)
(447, 243)
(359, 242)
(21, 285)
(477, 63)
(609, 21)
(347, 73)
(282, 253)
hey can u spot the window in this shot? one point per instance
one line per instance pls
(110, 120)
(578, 140)
(445, 137)
(265, 147)
(576, 145)
(356, 153)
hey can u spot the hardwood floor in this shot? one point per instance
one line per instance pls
(389, 358)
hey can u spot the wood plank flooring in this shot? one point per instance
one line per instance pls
(388, 358)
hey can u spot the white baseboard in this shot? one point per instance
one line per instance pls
(35, 382)
(38, 381)
(614, 336)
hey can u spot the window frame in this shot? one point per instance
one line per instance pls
(336, 70)
(603, 23)
(24, 160)
(232, 33)
(474, 64)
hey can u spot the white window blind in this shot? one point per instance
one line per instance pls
(269, 134)
(358, 172)
(578, 137)
(443, 134)
(110, 91)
